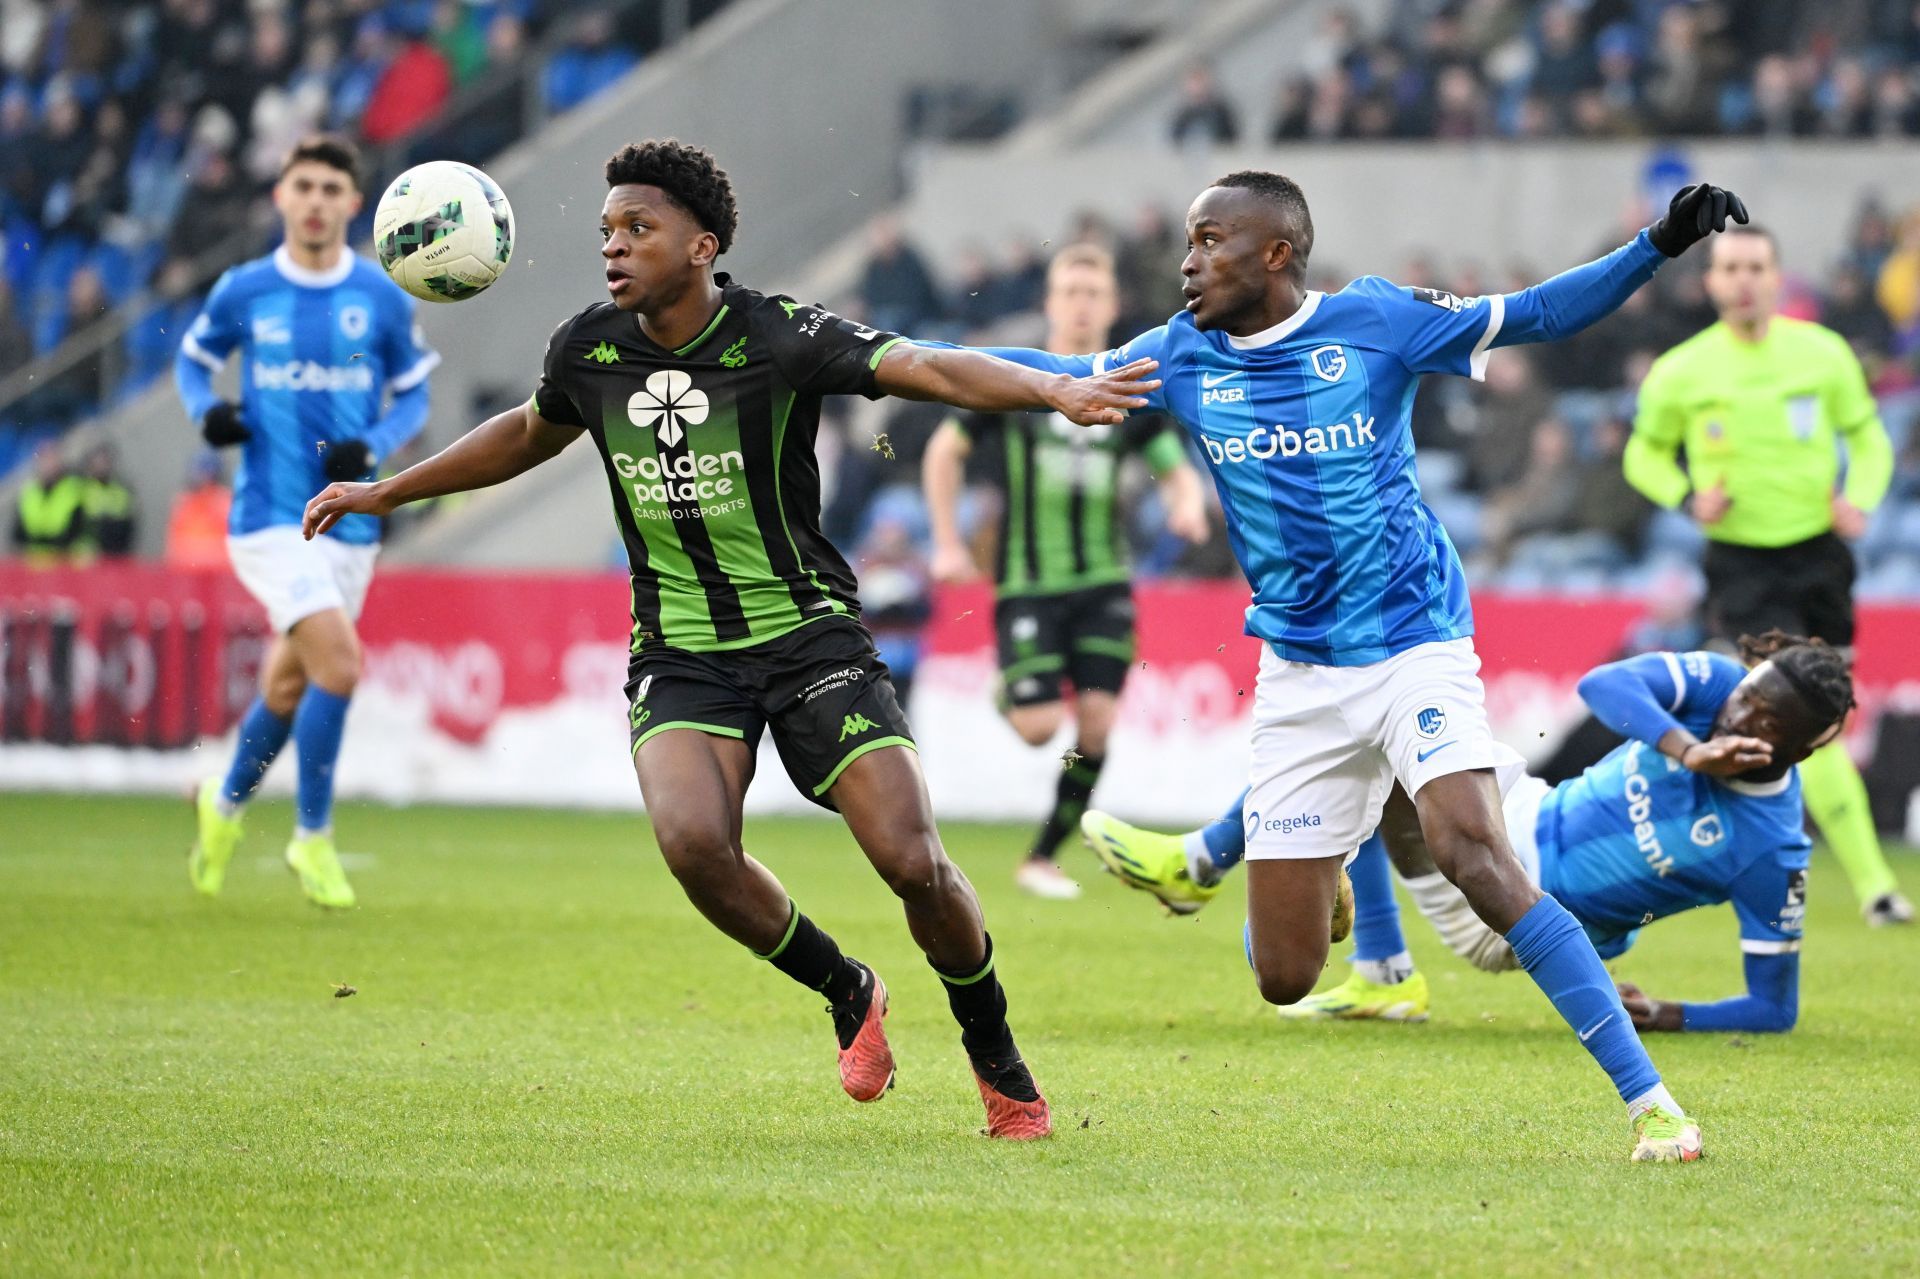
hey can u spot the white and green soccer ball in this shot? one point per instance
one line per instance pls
(443, 231)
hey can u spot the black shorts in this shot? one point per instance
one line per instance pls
(1084, 638)
(822, 688)
(1803, 589)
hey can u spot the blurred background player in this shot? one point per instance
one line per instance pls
(1760, 402)
(1063, 606)
(323, 337)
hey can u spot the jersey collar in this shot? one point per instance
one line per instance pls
(283, 263)
(1267, 337)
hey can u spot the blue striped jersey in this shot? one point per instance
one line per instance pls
(1638, 837)
(319, 351)
(1306, 428)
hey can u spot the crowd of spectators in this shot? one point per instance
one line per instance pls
(1460, 69)
(137, 140)
(1524, 469)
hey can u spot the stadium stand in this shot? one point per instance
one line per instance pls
(137, 144)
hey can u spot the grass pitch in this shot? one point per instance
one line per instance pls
(552, 1065)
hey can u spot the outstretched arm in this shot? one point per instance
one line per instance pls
(942, 472)
(1770, 1006)
(1637, 698)
(1574, 299)
(975, 380)
(496, 450)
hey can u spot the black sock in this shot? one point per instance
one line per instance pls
(812, 958)
(1070, 797)
(980, 1006)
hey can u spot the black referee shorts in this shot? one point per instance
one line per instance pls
(1803, 589)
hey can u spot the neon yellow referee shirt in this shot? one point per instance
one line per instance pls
(1762, 420)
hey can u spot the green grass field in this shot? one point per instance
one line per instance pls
(552, 1065)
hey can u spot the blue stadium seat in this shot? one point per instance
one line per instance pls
(1674, 534)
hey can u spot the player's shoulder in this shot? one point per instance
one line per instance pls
(1812, 336)
(255, 275)
(1705, 668)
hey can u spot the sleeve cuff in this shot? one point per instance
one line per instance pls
(1483, 349)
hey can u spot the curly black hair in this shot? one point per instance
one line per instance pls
(1821, 674)
(1286, 193)
(689, 176)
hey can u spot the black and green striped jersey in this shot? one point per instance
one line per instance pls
(1060, 529)
(709, 452)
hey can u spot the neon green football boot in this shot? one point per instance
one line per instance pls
(1662, 1137)
(213, 846)
(1358, 999)
(314, 860)
(1151, 862)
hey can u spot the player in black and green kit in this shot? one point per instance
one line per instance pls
(1063, 604)
(703, 398)
(1761, 402)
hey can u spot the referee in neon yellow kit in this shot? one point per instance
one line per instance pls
(1759, 401)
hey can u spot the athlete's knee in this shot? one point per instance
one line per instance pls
(282, 692)
(1037, 724)
(701, 854)
(916, 868)
(1286, 978)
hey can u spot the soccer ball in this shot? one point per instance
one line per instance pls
(443, 231)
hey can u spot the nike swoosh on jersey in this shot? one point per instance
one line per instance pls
(1589, 1033)
(1421, 757)
(1206, 381)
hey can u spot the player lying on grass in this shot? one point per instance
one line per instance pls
(1301, 401)
(1700, 806)
(703, 398)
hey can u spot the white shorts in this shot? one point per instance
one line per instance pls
(294, 578)
(1520, 796)
(1329, 741)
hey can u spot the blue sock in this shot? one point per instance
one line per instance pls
(318, 725)
(1224, 839)
(1376, 916)
(262, 734)
(1553, 948)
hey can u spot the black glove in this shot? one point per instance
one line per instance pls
(348, 460)
(222, 426)
(1695, 212)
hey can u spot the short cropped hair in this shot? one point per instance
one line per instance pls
(1292, 201)
(689, 176)
(1082, 254)
(329, 149)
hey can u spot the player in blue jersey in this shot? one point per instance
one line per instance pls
(1700, 806)
(333, 377)
(1301, 402)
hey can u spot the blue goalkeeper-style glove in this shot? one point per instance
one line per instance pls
(1695, 213)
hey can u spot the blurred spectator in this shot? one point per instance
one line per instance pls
(16, 344)
(460, 33)
(1898, 288)
(590, 60)
(410, 91)
(155, 336)
(106, 504)
(1605, 502)
(896, 596)
(1506, 406)
(48, 517)
(896, 286)
(197, 525)
(1542, 500)
(215, 210)
(1851, 311)
(1204, 117)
